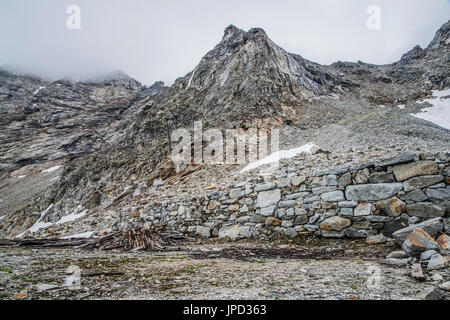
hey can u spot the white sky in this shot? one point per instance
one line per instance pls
(163, 40)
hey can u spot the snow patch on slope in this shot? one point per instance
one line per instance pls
(439, 113)
(72, 217)
(276, 156)
(38, 225)
(84, 235)
(51, 169)
(39, 89)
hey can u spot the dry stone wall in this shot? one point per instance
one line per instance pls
(348, 201)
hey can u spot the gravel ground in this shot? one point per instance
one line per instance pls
(209, 271)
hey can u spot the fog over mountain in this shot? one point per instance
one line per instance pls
(154, 41)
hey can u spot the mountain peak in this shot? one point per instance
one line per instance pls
(231, 29)
(441, 37)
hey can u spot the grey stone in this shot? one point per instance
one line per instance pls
(445, 286)
(320, 190)
(392, 226)
(346, 212)
(362, 177)
(347, 204)
(415, 196)
(203, 232)
(372, 192)
(257, 219)
(376, 239)
(290, 232)
(314, 219)
(284, 183)
(267, 211)
(381, 177)
(265, 187)
(298, 180)
(268, 198)
(345, 180)
(421, 182)
(419, 241)
(432, 293)
(439, 194)
(420, 168)
(287, 204)
(335, 171)
(300, 220)
(333, 196)
(311, 227)
(431, 227)
(287, 224)
(233, 232)
(400, 159)
(437, 262)
(355, 233)
(335, 223)
(332, 234)
(416, 272)
(300, 212)
(426, 255)
(393, 207)
(330, 180)
(236, 193)
(363, 209)
(425, 210)
(397, 255)
(398, 262)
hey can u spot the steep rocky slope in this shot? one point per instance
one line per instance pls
(109, 137)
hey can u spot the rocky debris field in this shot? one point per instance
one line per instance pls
(311, 269)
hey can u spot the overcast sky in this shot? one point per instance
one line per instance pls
(163, 40)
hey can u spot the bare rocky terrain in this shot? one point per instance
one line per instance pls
(90, 158)
(248, 270)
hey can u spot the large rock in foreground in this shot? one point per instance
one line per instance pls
(419, 241)
(431, 227)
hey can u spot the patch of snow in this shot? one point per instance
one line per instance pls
(80, 235)
(192, 77)
(39, 89)
(21, 177)
(72, 217)
(276, 156)
(439, 113)
(53, 178)
(51, 169)
(401, 106)
(2, 217)
(38, 225)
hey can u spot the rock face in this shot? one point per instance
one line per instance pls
(103, 146)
